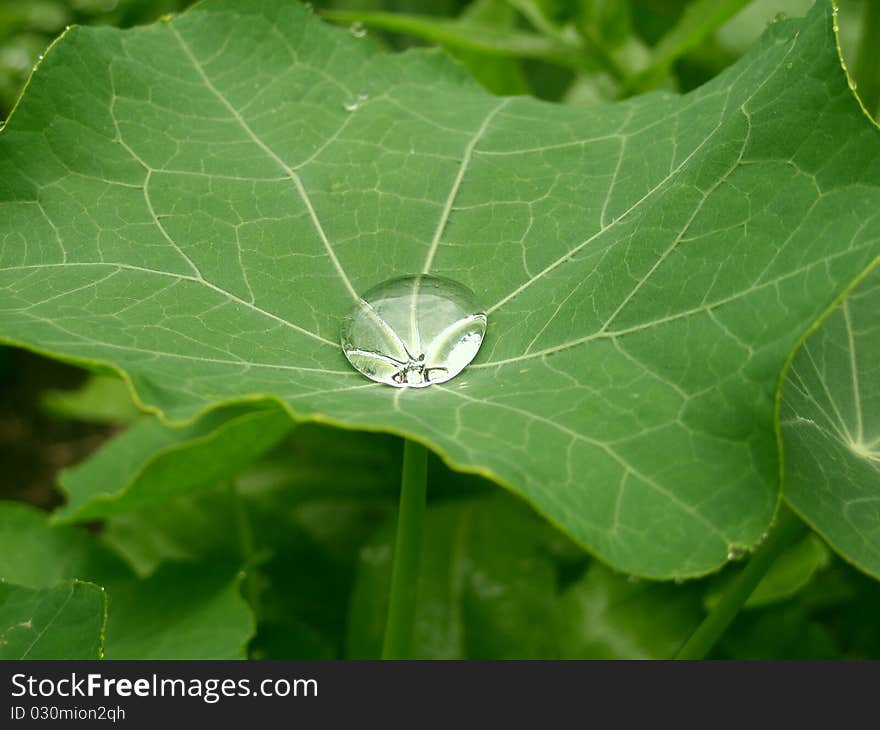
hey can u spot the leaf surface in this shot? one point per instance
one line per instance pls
(830, 423)
(63, 622)
(196, 204)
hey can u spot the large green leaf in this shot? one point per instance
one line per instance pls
(150, 462)
(196, 204)
(830, 421)
(64, 622)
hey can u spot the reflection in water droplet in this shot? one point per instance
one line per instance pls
(353, 105)
(414, 331)
(736, 552)
(357, 29)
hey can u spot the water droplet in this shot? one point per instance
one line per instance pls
(357, 29)
(414, 331)
(40, 57)
(363, 97)
(350, 106)
(736, 552)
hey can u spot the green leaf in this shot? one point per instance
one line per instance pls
(64, 622)
(192, 205)
(35, 555)
(101, 399)
(830, 425)
(606, 615)
(486, 587)
(182, 611)
(192, 611)
(150, 462)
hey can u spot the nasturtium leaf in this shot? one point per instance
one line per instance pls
(151, 462)
(196, 204)
(192, 610)
(63, 622)
(830, 424)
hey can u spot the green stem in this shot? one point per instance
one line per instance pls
(866, 71)
(787, 529)
(407, 552)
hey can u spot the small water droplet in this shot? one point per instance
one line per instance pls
(363, 97)
(414, 331)
(736, 552)
(350, 106)
(357, 29)
(40, 57)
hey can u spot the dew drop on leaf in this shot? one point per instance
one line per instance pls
(414, 331)
(357, 29)
(736, 552)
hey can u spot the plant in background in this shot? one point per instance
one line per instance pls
(676, 288)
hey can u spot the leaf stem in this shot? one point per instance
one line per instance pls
(866, 71)
(407, 552)
(700, 643)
